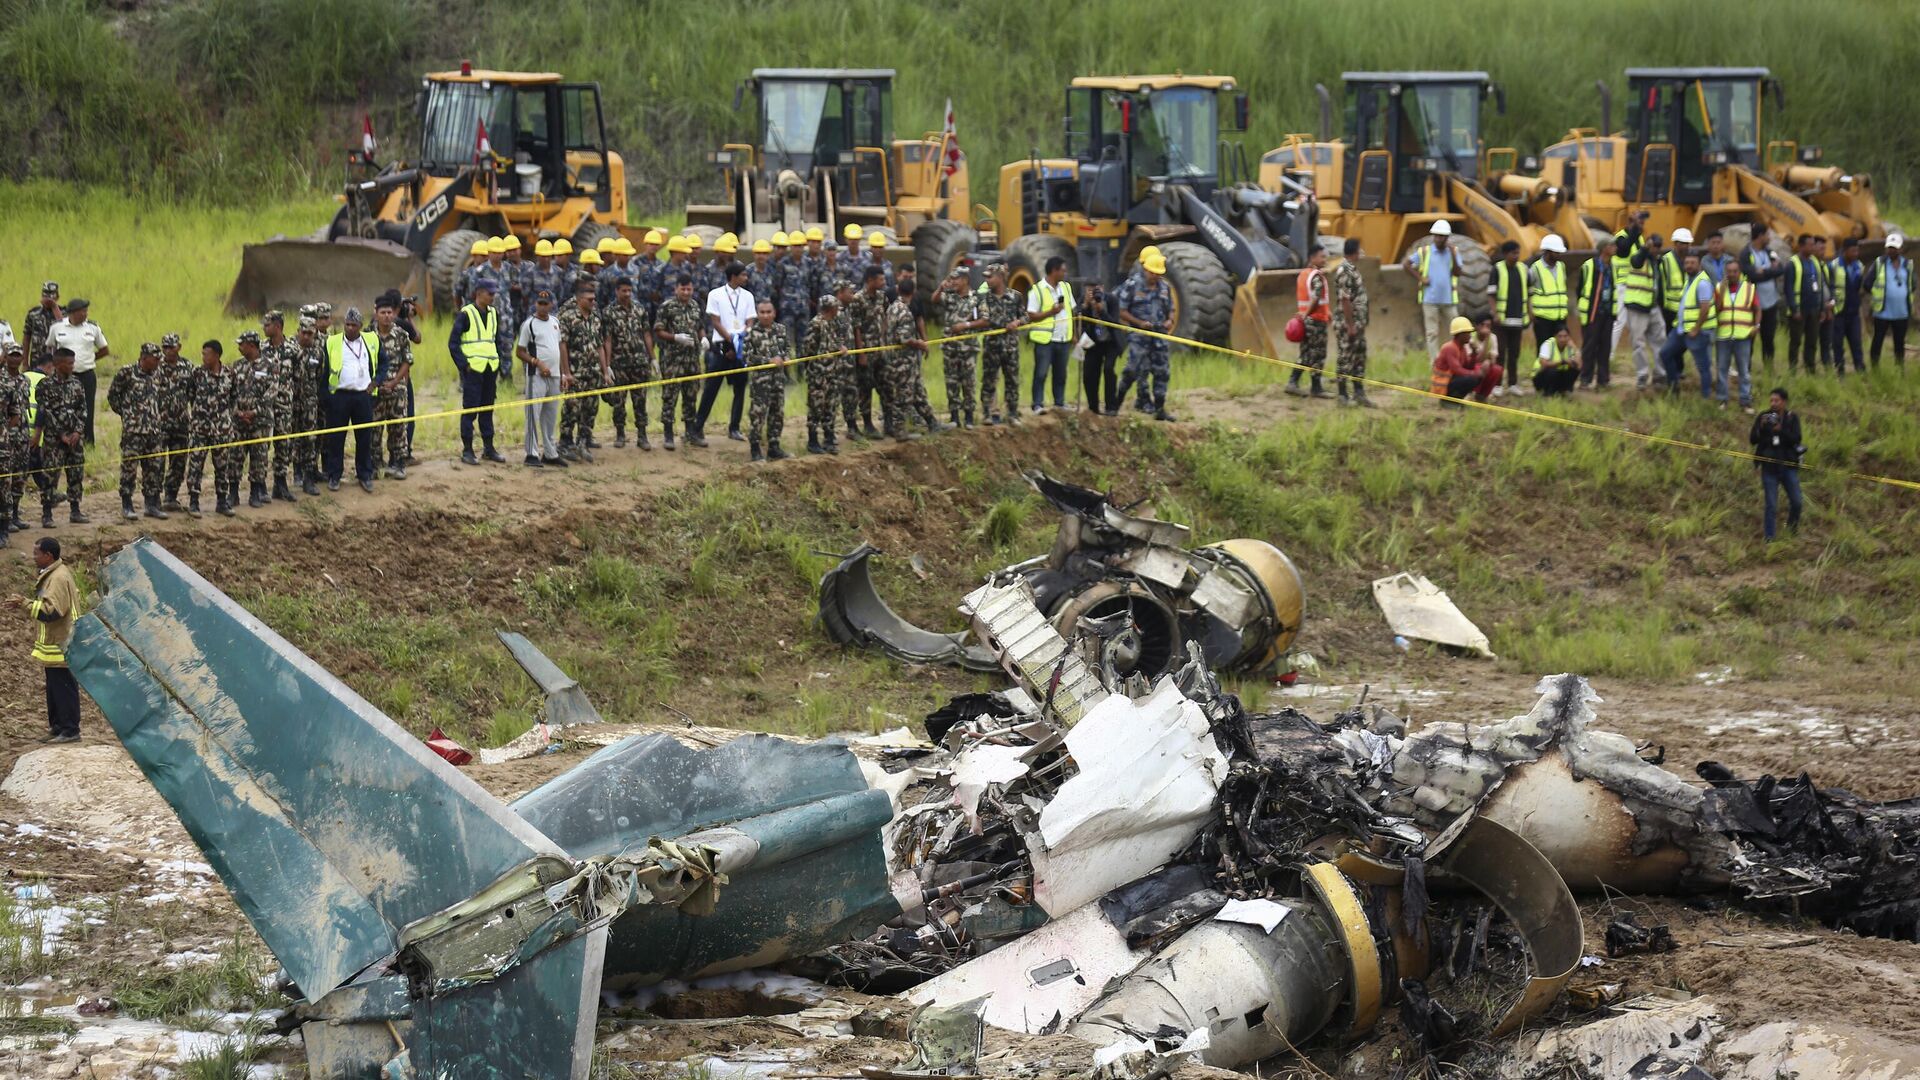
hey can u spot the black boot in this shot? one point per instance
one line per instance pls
(126, 508)
(172, 503)
(774, 453)
(966, 419)
(1160, 410)
(256, 495)
(18, 522)
(832, 445)
(668, 441)
(233, 497)
(193, 504)
(1318, 390)
(1360, 397)
(641, 438)
(813, 442)
(619, 435)
(753, 450)
(1293, 384)
(74, 515)
(310, 484)
(46, 517)
(1120, 395)
(153, 509)
(280, 489)
(867, 423)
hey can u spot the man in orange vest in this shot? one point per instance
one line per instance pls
(1314, 293)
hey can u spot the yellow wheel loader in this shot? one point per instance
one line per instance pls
(1694, 155)
(544, 170)
(1146, 164)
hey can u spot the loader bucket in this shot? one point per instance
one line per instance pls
(1261, 308)
(284, 273)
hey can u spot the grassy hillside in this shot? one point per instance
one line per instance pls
(232, 99)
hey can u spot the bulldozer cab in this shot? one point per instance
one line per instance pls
(1685, 124)
(1403, 127)
(547, 136)
(838, 119)
(1132, 135)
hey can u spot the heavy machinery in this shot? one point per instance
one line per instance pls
(1694, 155)
(824, 156)
(544, 170)
(1146, 164)
(1411, 154)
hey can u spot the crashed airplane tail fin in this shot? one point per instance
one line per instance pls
(332, 827)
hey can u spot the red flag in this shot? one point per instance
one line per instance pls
(482, 148)
(952, 138)
(366, 136)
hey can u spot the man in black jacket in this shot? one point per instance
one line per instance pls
(1776, 442)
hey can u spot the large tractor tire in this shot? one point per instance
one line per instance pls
(449, 257)
(1202, 293)
(590, 233)
(1474, 269)
(938, 247)
(1027, 259)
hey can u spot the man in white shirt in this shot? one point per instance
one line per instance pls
(351, 359)
(1050, 310)
(89, 345)
(538, 347)
(729, 310)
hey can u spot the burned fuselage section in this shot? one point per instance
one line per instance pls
(1130, 581)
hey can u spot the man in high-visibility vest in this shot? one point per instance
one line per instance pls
(1435, 268)
(55, 602)
(1596, 319)
(1849, 277)
(1315, 296)
(1508, 290)
(1642, 326)
(1547, 297)
(1692, 330)
(1557, 366)
(352, 363)
(1809, 302)
(1671, 276)
(1890, 293)
(476, 356)
(1050, 321)
(1736, 305)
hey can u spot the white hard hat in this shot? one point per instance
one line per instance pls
(1443, 227)
(1683, 236)
(1896, 240)
(1554, 243)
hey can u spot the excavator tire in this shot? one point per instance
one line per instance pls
(449, 257)
(938, 246)
(590, 233)
(1027, 258)
(1202, 292)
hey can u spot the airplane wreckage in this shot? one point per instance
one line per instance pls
(1111, 848)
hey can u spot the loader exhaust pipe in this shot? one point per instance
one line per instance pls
(1326, 111)
(1606, 106)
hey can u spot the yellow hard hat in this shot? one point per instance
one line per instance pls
(1153, 261)
(624, 246)
(815, 234)
(606, 244)
(761, 247)
(852, 232)
(1150, 249)
(796, 238)
(513, 243)
(877, 239)
(479, 248)
(591, 257)
(543, 248)
(655, 236)
(563, 246)
(677, 244)
(496, 245)
(727, 244)
(694, 243)
(780, 239)
(1460, 325)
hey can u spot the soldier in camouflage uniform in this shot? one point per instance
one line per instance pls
(868, 313)
(59, 424)
(904, 395)
(626, 323)
(16, 432)
(679, 326)
(1147, 304)
(1000, 354)
(283, 356)
(214, 389)
(253, 415)
(542, 276)
(957, 311)
(396, 366)
(767, 342)
(39, 322)
(1350, 324)
(763, 277)
(136, 394)
(176, 417)
(307, 400)
(1315, 315)
(583, 347)
(826, 344)
(795, 302)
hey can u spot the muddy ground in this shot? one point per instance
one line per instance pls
(82, 822)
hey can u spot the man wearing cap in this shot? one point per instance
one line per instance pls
(82, 335)
(213, 392)
(730, 309)
(867, 315)
(284, 357)
(542, 276)
(1890, 295)
(584, 357)
(516, 303)
(1314, 294)
(854, 263)
(473, 344)
(537, 344)
(135, 394)
(1434, 269)
(39, 321)
(60, 422)
(610, 273)
(957, 312)
(564, 266)
(905, 384)
(763, 278)
(1004, 309)
(627, 330)
(16, 430)
(679, 325)
(795, 299)
(176, 417)
(1350, 315)
(827, 269)
(1692, 330)
(253, 416)
(1146, 303)
(476, 260)
(827, 343)
(713, 275)
(396, 366)
(309, 396)
(768, 346)
(649, 291)
(1459, 371)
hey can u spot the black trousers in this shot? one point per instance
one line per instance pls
(413, 401)
(1556, 380)
(1809, 342)
(1898, 327)
(348, 407)
(63, 701)
(1769, 322)
(478, 390)
(1511, 339)
(1846, 338)
(736, 379)
(1596, 351)
(1545, 329)
(1096, 374)
(91, 380)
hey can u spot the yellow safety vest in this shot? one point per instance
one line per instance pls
(1636, 284)
(1500, 276)
(1691, 316)
(1672, 278)
(1735, 319)
(1552, 349)
(1549, 290)
(1878, 289)
(33, 395)
(1042, 331)
(334, 345)
(477, 344)
(1453, 275)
